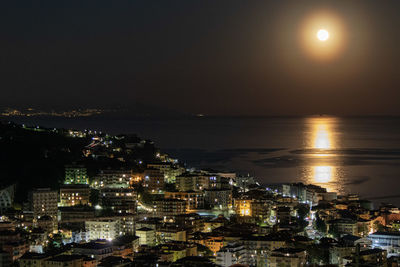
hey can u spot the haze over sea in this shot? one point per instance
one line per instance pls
(358, 155)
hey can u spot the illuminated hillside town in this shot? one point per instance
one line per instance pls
(32, 112)
(120, 201)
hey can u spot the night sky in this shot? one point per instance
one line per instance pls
(211, 57)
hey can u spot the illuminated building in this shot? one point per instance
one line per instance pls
(121, 200)
(199, 180)
(169, 206)
(243, 207)
(344, 226)
(174, 251)
(76, 174)
(186, 182)
(103, 229)
(213, 243)
(137, 178)
(214, 223)
(253, 204)
(389, 241)
(167, 234)
(110, 228)
(244, 182)
(208, 181)
(169, 170)
(219, 198)
(374, 257)
(231, 254)
(74, 194)
(127, 224)
(339, 253)
(154, 180)
(191, 222)
(6, 197)
(147, 236)
(44, 202)
(396, 225)
(94, 250)
(113, 179)
(290, 257)
(194, 200)
(76, 213)
(152, 223)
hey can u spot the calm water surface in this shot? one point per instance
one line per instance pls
(359, 155)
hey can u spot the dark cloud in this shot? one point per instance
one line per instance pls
(358, 180)
(203, 157)
(343, 157)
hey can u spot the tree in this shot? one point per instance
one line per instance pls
(94, 197)
(303, 210)
(334, 231)
(363, 229)
(378, 227)
(320, 225)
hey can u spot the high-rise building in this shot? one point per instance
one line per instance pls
(74, 194)
(186, 182)
(154, 180)
(6, 197)
(232, 254)
(219, 198)
(147, 236)
(168, 169)
(167, 207)
(76, 174)
(103, 229)
(113, 179)
(193, 200)
(120, 200)
(44, 202)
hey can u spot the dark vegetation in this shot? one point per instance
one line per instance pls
(33, 158)
(36, 157)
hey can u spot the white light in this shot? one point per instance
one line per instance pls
(323, 35)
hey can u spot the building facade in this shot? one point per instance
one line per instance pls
(120, 200)
(193, 200)
(232, 254)
(74, 194)
(44, 202)
(76, 174)
(103, 229)
(218, 198)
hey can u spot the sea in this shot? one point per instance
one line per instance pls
(358, 155)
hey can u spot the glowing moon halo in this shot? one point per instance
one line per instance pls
(323, 35)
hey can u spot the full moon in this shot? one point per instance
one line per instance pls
(323, 35)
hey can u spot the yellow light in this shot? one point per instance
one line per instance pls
(323, 35)
(322, 140)
(321, 134)
(323, 174)
(322, 144)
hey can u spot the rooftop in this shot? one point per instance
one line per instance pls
(371, 251)
(386, 233)
(145, 229)
(64, 258)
